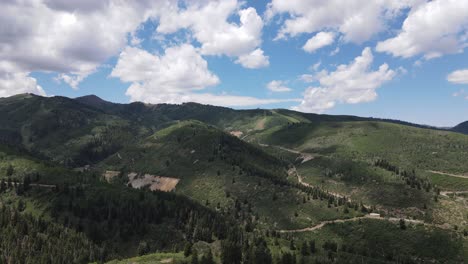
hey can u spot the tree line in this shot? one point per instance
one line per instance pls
(409, 176)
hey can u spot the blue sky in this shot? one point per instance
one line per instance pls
(401, 59)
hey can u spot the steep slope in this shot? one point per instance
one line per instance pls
(405, 146)
(16, 164)
(63, 129)
(49, 205)
(382, 164)
(222, 171)
(28, 239)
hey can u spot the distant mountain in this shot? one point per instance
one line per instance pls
(94, 101)
(461, 128)
(218, 115)
(51, 122)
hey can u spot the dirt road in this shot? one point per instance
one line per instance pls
(449, 174)
(305, 157)
(446, 193)
(35, 184)
(324, 223)
(301, 181)
(42, 185)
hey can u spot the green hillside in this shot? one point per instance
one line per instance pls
(408, 147)
(221, 171)
(62, 129)
(114, 220)
(250, 186)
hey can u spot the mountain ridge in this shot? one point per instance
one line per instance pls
(99, 103)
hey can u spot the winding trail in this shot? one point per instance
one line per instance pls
(324, 223)
(301, 181)
(446, 193)
(306, 157)
(449, 174)
(35, 184)
(293, 170)
(42, 185)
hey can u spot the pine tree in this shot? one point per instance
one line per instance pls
(194, 259)
(26, 182)
(207, 258)
(3, 186)
(231, 252)
(10, 170)
(262, 253)
(291, 245)
(402, 224)
(304, 249)
(312, 247)
(143, 248)
(288, 258)
(187, 249)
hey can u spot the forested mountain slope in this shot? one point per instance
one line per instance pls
(250, 186)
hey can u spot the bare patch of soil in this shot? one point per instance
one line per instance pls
(236, 133)
(260, 125)
(109, 175)
(165, 184)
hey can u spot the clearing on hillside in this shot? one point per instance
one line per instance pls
(165, 184)
(109, 175)
(260, 125)
(236, 133)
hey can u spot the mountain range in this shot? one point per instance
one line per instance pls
(86, 180)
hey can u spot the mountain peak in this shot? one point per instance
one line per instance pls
(89, 97)
(92, 100)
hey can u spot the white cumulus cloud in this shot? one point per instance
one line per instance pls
(278, 86)
(70, 38)
(432, 29)
(210, 25)
(459, 77)
(319, 41)
(357, 20)
(13, 81)
(307, 78)
(352, 83)
(180, 69)
(254, 60)
(174, 77)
